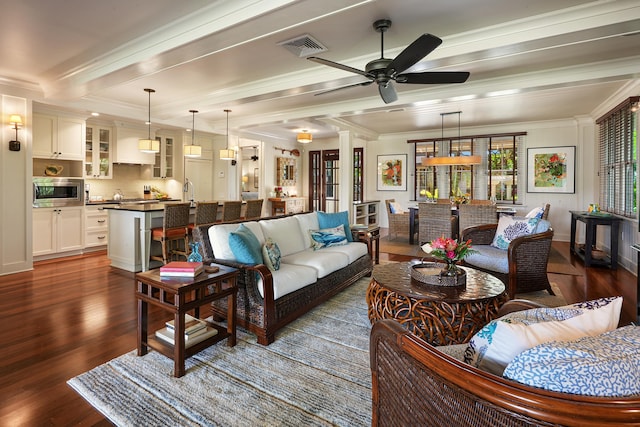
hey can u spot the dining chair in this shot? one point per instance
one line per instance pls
(253, 209)
(479, 202)
(470, 215)
(435, 220)
(175, 224)
(231, 210)
(398, 221)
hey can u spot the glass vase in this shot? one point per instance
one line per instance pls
(450, 270)
(194, 256)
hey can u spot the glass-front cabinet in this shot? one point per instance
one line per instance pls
(163, 166)
(98, 162)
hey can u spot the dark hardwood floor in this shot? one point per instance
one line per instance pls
(70, 315)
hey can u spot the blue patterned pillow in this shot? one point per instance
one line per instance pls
(271, 254)
(328, 237)
(245, 246)
(330, 220)
(500, 341)
(510, 228)
(605, 365)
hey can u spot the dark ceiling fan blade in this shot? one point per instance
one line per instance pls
(433, 77)
(337, 65)
(367, 83)
(421, 47)
(387, 92)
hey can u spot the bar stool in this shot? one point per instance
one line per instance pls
(231, 210)
(254, 209)
(174, 228)
(206, 213)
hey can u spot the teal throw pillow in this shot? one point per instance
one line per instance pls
(245, 246)
(332, 220)
(510, 228)
(327, 237)
(271, 254)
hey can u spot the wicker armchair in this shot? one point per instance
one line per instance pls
(527, 257)
(436, 220)
(413, 383)
(398, 222)
(470, 215)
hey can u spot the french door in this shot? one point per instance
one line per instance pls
(324, 179)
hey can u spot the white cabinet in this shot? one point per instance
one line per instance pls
(58, 137)
(57, 230)
(96, 226)
(98, 149)
(126, 146)
(366, 212)
(163, 166)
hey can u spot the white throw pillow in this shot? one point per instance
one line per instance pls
(500, 341)
(396, 208)
(535, 213)
(510, 228)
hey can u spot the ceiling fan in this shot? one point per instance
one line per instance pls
(384, 71)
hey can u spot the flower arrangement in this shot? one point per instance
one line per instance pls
(448, 250)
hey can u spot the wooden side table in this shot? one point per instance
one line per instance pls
(180, 295)
(370, 236)
(440, 315)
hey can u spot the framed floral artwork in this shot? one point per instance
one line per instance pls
(551, 169)
(392, 174)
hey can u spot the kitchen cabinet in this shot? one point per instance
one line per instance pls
(57, 230)
(163, 166)
(126, 146)
(96, 226)
(366, 213)
(98, 163)
(58, 137)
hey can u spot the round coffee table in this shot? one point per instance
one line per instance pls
(440, 315)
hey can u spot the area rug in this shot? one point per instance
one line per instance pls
(316, 373)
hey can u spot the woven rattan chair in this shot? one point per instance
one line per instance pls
(174, 229)
(545, 214)
(231, 210)
(206, 213)
(253, 209)
(435, 220)
(470, 215)
(398, 222)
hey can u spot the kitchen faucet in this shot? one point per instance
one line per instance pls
(185, 189)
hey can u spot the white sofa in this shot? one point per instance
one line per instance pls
(270, 299)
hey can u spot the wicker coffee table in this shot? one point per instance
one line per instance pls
(440, 315)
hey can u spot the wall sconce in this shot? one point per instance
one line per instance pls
(304, 137)
(16, 122)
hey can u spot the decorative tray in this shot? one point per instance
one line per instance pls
(431, 274)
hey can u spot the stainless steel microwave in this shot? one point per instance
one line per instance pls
(51, 192)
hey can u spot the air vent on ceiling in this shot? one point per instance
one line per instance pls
(303, 46)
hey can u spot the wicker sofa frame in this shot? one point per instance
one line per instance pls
(265, 316)
(415, 384)
(527, 255)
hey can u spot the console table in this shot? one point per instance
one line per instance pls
(286, 205)
(592, 221)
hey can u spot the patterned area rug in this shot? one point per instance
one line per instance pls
(316, 373)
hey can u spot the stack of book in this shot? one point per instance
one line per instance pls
(181, 269)
(195, 331)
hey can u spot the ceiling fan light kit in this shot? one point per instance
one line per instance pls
(384, 71)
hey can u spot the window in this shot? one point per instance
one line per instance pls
(618, 149)
(497, 177)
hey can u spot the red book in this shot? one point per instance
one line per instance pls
(181, 268)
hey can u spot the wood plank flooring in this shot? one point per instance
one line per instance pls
(70, 315)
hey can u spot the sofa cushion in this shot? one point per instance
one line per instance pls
(510, 228)
(285, 232)
(289, 278)
(271, 254)
(605, 365)
(324, 262)
(307, 221)
(495, 345)
(353, 250)
(219, 238)
(245, 246)
(328, 237)
(489, 257)
(329, 220)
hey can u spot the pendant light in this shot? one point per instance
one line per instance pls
(452, 160)
(304, 137)
(227, 153)
(193, 150)
(149, 145)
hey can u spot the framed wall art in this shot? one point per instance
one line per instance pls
(392, 174)
(551, 169)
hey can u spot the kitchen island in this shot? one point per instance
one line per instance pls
(130, 224)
